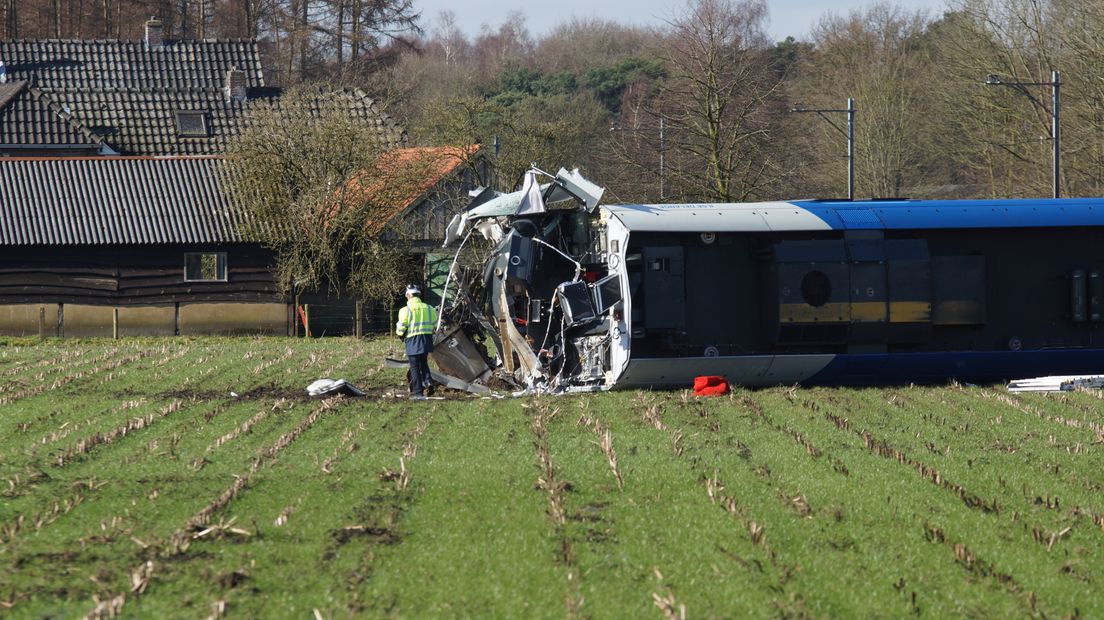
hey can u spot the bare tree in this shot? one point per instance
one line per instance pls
(714, 108)
(1006, 135)
(306, 172)
(877, 57)
(11, 19)
(579, 45)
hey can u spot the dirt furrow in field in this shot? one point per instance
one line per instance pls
(70, 427)
(1051, 499)
(604, 441)
(105, 436)
(51, 367)
(793, 499)
(85, 446)
(165, 357)
(199, 524)
(345, 447)
(963, 554)
(246, 426)
(70, 377)
(765, 562)
(279, 404)
(78, 492)
(980, 568)
(69, 356)
(376, 521)
(1092, 426)
(549, 483)
(883, 448)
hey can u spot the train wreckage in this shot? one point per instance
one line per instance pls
(574, 295)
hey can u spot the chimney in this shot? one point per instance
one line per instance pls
(235, 85)
(153, 34)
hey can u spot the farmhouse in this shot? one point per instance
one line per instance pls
(114, 218)
(133, 245)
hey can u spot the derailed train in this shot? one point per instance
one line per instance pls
(577, 296)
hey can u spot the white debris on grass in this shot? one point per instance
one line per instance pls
(1057, 383)
(330, 387)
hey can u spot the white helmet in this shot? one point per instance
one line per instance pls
(413, 289)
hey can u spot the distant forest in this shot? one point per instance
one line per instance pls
(700, 109)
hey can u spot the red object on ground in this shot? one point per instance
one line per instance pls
(710, 386)
(303, 320)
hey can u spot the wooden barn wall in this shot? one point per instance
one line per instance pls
(423, 225)
(131, 276)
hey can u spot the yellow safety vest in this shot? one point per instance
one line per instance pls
(417, 318)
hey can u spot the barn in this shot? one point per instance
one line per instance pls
(102, 246)
(114, 219)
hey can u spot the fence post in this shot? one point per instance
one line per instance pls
(42, 322)
(306, 320)
(115, 323)
(295, 317)
(358, 327)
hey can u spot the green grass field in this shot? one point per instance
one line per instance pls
(133, 483)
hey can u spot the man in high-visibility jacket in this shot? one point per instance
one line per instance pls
(417, 322)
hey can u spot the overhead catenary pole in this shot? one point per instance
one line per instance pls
(1055, 85)
(662, 159)
(1056, 131)
(850, 149)
(662, 131)
(849, 132)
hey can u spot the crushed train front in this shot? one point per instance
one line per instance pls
(538, 279)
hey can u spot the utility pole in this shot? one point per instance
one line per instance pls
(1056, 130)
(849, 133)
(662, 159)
(1055, 85)
(662, 130)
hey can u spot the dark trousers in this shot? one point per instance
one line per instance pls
(419, 373)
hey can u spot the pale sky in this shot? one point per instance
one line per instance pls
(787, 17)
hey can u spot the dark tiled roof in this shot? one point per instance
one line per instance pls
(143, 122)
(115, 200)
(360, 106)
(9, 91)
(29, 117)
(129, 95)
(53, 64)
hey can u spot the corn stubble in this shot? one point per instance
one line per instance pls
(129, 464)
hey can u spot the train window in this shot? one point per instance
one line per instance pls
(816, 288)
(607, 292)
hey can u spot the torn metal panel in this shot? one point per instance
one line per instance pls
(525, 288)
(454, 383)
(457, 355)
(575, 185)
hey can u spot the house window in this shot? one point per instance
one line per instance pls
(205, 267)
(192, 124)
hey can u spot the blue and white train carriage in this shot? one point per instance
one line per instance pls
(862, 292)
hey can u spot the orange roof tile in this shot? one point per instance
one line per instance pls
(403, 176)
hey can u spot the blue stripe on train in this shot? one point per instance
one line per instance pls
(972, 366)
(927, 214)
